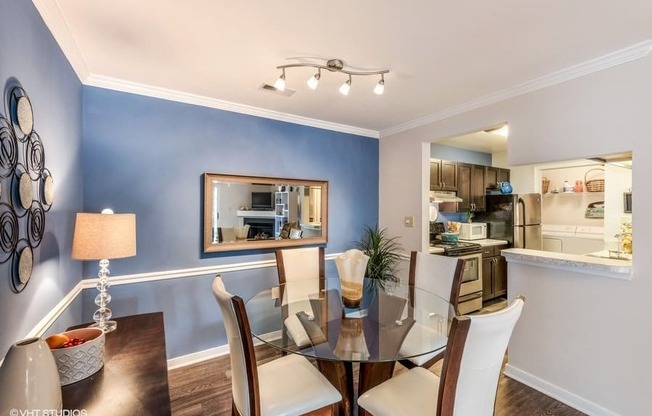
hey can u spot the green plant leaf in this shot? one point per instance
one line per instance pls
(384, 254)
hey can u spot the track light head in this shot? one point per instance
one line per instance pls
(313, 81)
(280, 82)
(346, 87)
(379, 89)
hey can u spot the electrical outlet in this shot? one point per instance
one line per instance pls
(409, 221)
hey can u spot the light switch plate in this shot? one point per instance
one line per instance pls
(409, 221)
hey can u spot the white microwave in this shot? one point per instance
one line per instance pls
(473, 231)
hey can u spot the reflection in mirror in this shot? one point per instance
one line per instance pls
(246, 212)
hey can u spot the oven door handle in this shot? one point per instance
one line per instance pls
(470, 296)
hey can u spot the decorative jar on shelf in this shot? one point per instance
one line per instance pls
(29, 379)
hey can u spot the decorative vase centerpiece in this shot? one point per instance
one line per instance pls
(351, 267)
(351, 344)
(29, 379)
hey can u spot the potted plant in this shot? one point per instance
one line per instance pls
(384, 255)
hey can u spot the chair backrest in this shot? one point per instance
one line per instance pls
(300, 263)
(244, 375)
(440, 275)
(474, 356)
(306, 265)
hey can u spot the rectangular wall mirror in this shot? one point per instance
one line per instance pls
(253, 212)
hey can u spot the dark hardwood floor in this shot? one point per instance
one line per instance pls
(205, 389)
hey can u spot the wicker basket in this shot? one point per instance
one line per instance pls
(594, 185)
(545, 183)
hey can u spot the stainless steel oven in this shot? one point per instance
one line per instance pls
(470, 299)
(471, 289)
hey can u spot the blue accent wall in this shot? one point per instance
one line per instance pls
(29, 56)
(147, 156)
(438, 151)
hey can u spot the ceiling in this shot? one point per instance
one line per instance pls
(442, 56)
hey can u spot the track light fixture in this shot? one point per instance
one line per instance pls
(280, 82)
(332, 65)
(346, 87)
(313, 81)
(379, 89)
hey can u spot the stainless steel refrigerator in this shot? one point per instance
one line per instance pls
(515, 218)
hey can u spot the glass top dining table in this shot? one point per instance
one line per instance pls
(393, 322)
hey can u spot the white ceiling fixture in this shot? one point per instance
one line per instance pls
(333, 65)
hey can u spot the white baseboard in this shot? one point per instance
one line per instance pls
(197, 357)
(557, 392)
(222, 350)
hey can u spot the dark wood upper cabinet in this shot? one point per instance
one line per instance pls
(443, 175)
(464, 186)
(471, 187)
(494, 176)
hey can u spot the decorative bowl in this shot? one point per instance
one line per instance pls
(450, 237)
(81, 361)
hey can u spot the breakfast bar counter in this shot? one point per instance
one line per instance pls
(585, 264)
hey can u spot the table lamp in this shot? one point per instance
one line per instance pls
(104, 237)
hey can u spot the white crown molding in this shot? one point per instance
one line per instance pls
(178, 96)
(610, 60)
(557, 392)
(56, 22)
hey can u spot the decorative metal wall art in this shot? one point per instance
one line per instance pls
(26, 187)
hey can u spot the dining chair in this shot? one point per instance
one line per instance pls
(469, 377)
(289, 385)
(307, 265)
(436, 274)
(306, 268)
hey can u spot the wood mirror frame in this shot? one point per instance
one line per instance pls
(296, 213)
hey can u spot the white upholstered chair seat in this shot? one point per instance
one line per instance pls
(411, 393)
(416, 338)
(297, 332)
(469, 376)
(291, 385)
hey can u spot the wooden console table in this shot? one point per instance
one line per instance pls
(134, 379)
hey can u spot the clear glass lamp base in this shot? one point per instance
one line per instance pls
(106, 326)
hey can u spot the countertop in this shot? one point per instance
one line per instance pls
(484, 243)
(487, 242)
(591, 265)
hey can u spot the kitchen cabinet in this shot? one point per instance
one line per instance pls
(494, 272)
(494, 176)
(471, 187)
(443, 175)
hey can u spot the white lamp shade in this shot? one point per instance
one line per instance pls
(104, 236)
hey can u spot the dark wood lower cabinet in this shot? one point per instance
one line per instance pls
(494, 273)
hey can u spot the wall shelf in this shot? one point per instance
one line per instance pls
(573, 194)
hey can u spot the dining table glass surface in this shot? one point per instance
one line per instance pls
(394, 321)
